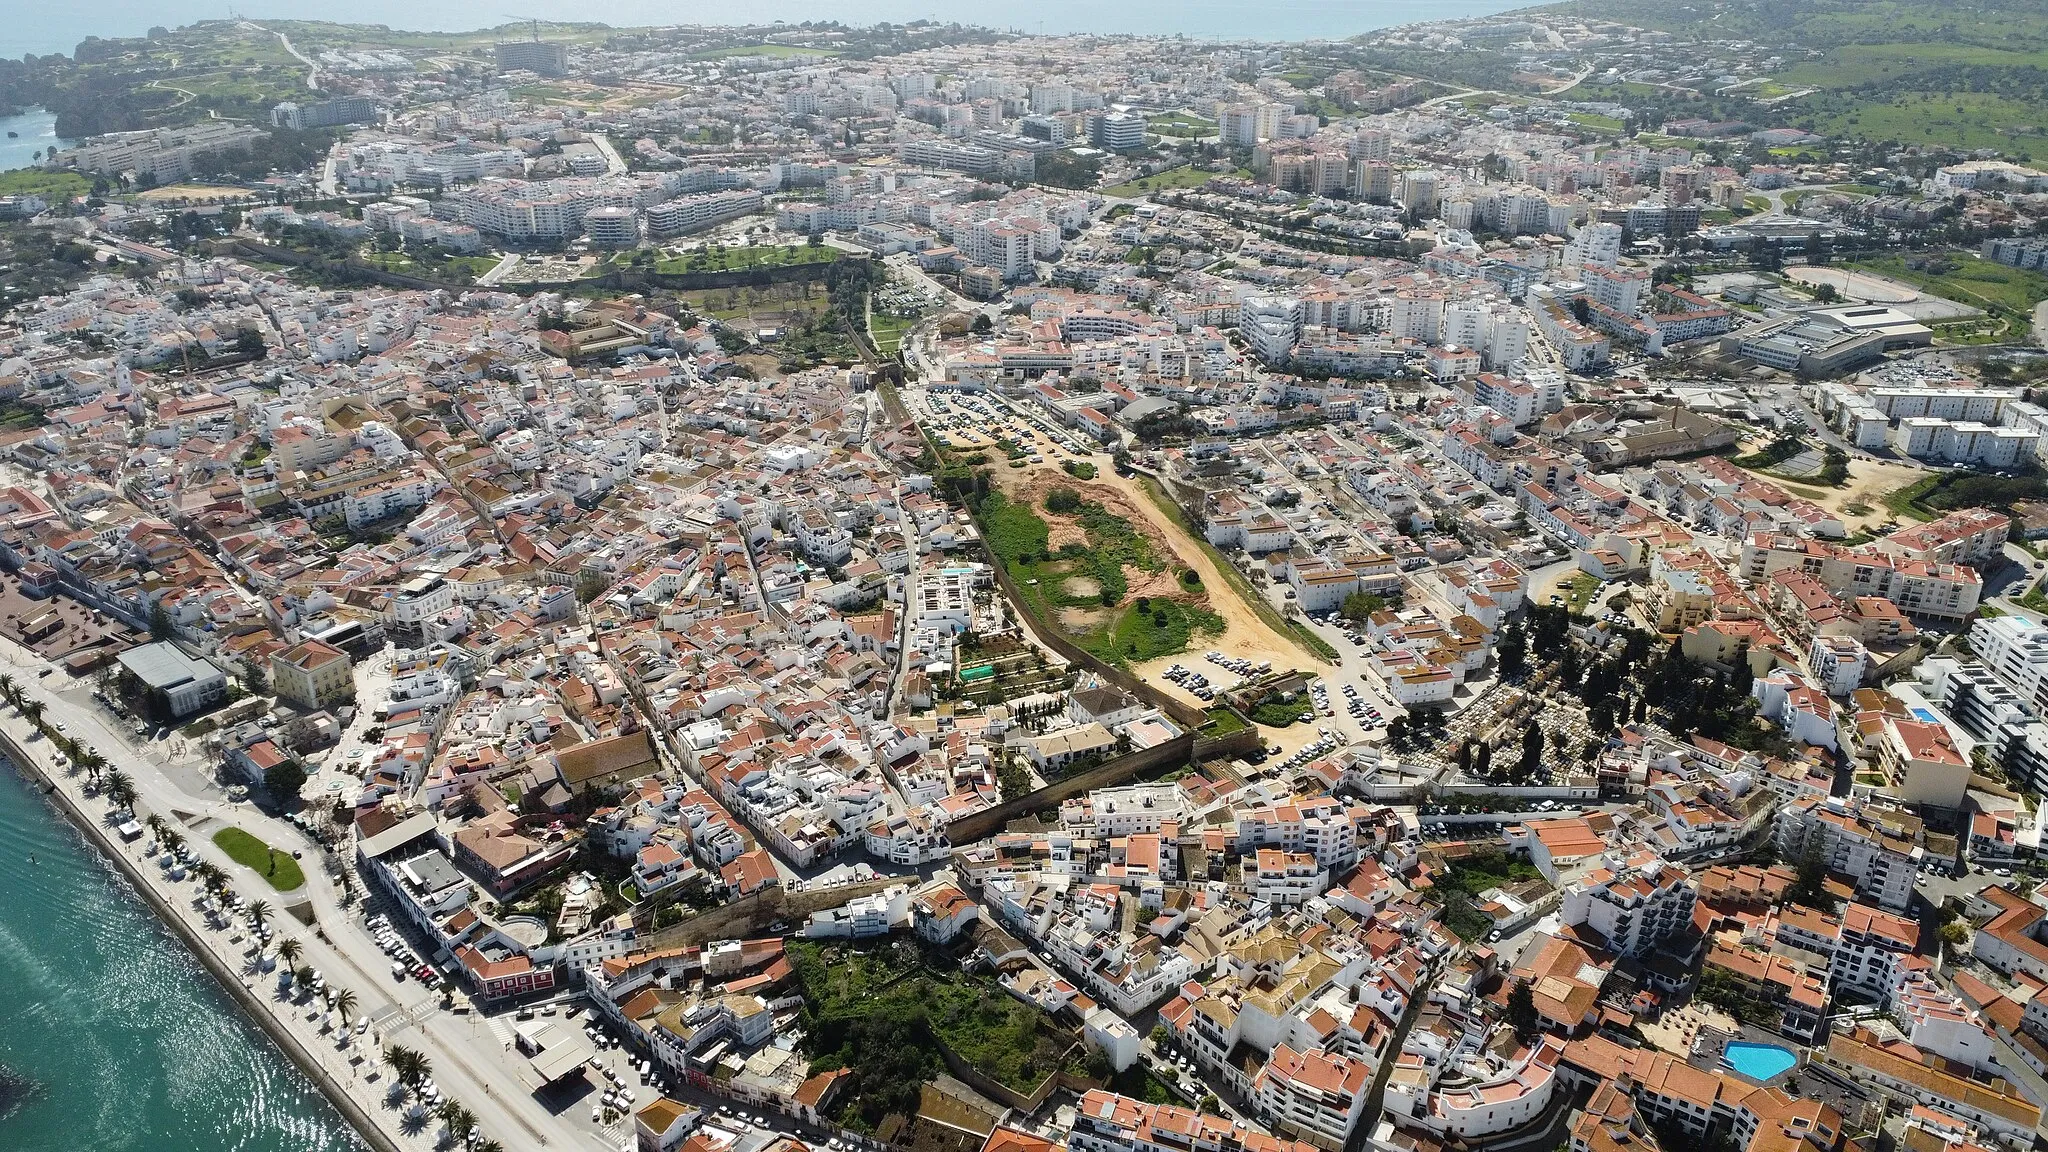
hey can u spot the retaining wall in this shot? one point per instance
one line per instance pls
(254, 1009)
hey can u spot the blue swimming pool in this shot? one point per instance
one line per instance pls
(1759, 1062)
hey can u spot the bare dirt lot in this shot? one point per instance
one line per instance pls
(1868, 482)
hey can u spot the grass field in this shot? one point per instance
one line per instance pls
(1180, 124)
(1239, 586)
(1172, 178)
(1962, 120)
(719, 258)
(779, 51)
(51, 186)
(887, 331)
(1968, 279)
(1595, 121)
(767, 306)
(1080, 589)
(273, 864)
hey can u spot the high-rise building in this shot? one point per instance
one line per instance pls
(324, 113)
(1118, 131)
(546, 57)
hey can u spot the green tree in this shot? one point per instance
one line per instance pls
(1522, 1014)
(284, 780)
(1360, 606)
(159, 622)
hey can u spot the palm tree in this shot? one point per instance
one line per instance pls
(487, 1145)
(9, 691)
(32, 711)
(121, 789)
(409, 1066)
(259, 914)
(345, 1003)
(156, 825)
(288, 950)
(458, 1119)
(90, 760)
(173, 840)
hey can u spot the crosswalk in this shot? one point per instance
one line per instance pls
(501, 1030)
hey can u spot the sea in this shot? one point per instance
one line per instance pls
(59, 27)
(33, 131)
(115, 1038)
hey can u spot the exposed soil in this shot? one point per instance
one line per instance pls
(1244, 633)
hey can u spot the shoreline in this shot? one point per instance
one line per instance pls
(252, 1007)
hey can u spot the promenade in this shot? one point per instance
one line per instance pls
(468, 1057)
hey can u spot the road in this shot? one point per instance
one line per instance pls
(312, 67)
(504, 267)
(172, 780)
(615, 165)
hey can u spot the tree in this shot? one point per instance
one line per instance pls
(9, 690)
(1532, 752)
(32, 711)
(159, 621)
(1810, 888)
(458, 1118)
(1522, 1014)
(288, 950)
(982, 325)
(259, 914)
(1955, 934)
(1514, 651)
(121, 789)
(1360, 606)
(1483, 762)
(283, 780)
(1063, 500)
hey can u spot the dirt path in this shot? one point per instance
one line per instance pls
(1244, 634)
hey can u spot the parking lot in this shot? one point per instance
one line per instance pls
(966, 420)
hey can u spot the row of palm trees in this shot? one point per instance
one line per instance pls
(413, 1070)
(118, 786)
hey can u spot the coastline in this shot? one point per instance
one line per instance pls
(262, 1015)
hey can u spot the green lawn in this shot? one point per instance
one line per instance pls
(721, 258)
(780, 51)
(1579, 592)
(1222, 722)
(274, 865)
(1968, 278)
(1180, 124)
(55, 187)
(1080, 588)
(1183, 177)
(887, 331)
(1596, 121)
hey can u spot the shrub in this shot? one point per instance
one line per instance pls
(1063, 500)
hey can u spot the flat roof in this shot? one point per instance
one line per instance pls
(163, 667)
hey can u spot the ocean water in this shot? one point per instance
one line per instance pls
(59, 27)
(34, 131)
(114, 1038)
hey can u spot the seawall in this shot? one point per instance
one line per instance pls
(98, 835)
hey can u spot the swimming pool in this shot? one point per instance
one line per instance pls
(1759, 1062)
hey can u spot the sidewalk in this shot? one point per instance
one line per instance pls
(353, 1076)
